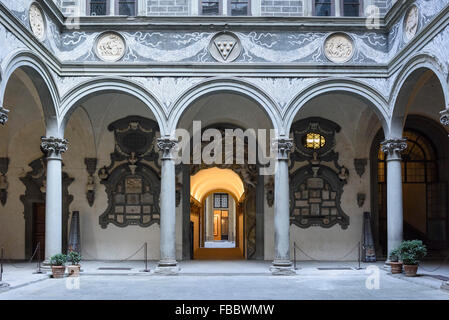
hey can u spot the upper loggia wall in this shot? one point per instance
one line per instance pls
(155, 58)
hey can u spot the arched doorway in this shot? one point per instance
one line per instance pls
(217, 215)
(425, 186)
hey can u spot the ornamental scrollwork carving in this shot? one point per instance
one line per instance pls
(316, 188)
(444, 117)
(282, 147)
(167, 147)
(132, 179)
(394, 147)
(54, 146)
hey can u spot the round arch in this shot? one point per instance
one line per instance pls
(225, 85)
(420, 68)
(356, 88)
(41, 79)
(100, 85)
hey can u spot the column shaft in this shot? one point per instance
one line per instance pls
(282, 264)
(168, 213)
(393, 148)
(167, 263)
(53, 208)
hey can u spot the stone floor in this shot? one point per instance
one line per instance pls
(211, 280)
(219, 244)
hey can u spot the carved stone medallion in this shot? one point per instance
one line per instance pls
(339, 48)
(110, 47)
(37, 22)
(411, 22)
(225, 47)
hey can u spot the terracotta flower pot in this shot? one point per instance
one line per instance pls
(58, 271)
(396, 267)
(410, 270)
(74, 270)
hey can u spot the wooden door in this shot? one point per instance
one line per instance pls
(38, 229)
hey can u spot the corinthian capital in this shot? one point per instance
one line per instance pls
(3, 115)
(444, 117)
(167, 146)
(282, 146)
(394, 147)
(53, 146)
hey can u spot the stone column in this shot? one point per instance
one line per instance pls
(282, 264)
(3, 115)
(167, 263)
(393, 148)
(445, 121)
(53, 147)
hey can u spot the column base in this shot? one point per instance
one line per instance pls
(445, 286)
(387, 265)
(282, 268)
(168, 268)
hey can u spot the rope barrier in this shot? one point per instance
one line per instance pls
(318, 260)
(433, 270)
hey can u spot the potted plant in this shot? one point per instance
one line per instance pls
(74, 269)
(411, 253)
(396, 265)
(58, 265)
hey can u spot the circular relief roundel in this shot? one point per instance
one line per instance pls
(411, 23)
(225, 47)
(339, 47)
(110, 47)
(37, 22)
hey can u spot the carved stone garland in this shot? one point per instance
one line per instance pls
(132, 179)
(316, 189)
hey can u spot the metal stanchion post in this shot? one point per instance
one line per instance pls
(38, 271)
(359, 256)
(2, 284)
(146, 258)
(294, 255)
